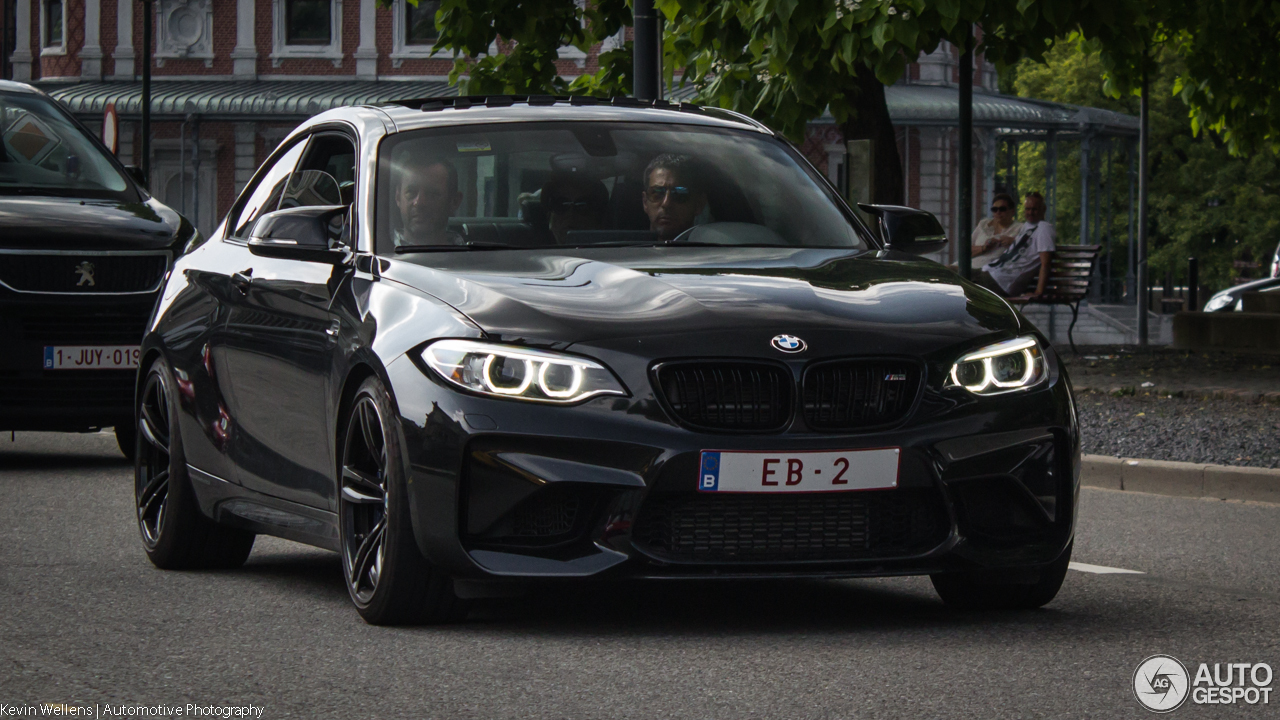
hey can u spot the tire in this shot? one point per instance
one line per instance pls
(175, 534)
(968, 591)
(126, 432)
(388, 579)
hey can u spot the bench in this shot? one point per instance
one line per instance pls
(1070, 275)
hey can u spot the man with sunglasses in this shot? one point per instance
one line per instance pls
(1026, 263)
(672, 197)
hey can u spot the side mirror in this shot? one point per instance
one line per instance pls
(908, 230)
(311, 233)
(136, 173)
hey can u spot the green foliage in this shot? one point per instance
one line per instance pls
(1204, 201)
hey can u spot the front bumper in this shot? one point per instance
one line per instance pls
(503, 489)
(32, 398)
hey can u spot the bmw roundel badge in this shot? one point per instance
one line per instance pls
(788, 343)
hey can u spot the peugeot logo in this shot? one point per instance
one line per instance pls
(85, 269)
(788, 343)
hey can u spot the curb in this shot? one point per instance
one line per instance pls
(1179, 479)
(1212, 392)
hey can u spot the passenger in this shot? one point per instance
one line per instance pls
(995, 234)
(673, 195)
(426, 196)
(574, 202)
(1026, 263)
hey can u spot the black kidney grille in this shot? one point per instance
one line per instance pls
(856, 394)
(709, 527)
(60, 273)
(728, 396)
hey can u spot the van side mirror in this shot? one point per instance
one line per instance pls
(908, 230)
(311, 233)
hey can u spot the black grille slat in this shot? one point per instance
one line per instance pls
(782, 528)
(859, 394)
(57, 273)
(728, 396)
(119, 327)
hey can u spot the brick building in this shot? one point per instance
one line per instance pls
(232, 77)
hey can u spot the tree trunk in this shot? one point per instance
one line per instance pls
(872, 123)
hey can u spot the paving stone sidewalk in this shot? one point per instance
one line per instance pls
(1115, 370)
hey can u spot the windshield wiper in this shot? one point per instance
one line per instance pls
(454, 248)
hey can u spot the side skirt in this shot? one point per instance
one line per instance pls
(230, 504)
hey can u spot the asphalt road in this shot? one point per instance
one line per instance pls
(86, 620)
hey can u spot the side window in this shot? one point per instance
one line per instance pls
(266, 195)
(327, 173)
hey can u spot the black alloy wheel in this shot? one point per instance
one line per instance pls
(388, 580)
(175, 534)
(967, 592)
(153, 456)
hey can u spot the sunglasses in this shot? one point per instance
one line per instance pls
(999, 208)
(679, 194)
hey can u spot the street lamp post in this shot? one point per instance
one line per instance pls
(148, 46)
(645, 51)
(964, 218)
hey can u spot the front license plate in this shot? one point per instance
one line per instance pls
(96, 357)
(778, 472)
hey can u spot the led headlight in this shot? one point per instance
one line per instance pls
(1004, 367)
(1218, 302)
(520, 373)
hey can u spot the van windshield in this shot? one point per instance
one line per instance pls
(581, 184)
(45, 153)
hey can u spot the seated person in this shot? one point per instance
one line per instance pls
(673, 195)
(426, 195)
(995, 234)
(1027, 261)
(574, 202)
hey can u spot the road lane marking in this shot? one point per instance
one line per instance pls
(1103, 569)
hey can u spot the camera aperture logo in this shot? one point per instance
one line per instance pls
(1162, 684)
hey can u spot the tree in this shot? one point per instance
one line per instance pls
(784, 62)
(1205, 202)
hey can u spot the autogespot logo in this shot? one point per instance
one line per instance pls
(1160, 683)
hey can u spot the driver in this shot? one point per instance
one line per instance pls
(673, 196)
(426, 195)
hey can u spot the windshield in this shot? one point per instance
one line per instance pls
(45, 153)
(582, 184)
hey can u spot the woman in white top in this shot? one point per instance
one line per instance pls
(994, 234)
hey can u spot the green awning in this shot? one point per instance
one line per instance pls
(261, 100)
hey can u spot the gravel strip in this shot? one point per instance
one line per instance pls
(1219, 432)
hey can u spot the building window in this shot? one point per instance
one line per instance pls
(53, 26)
(308, 22)
(413, 30)
(420, 23)
(307, 29)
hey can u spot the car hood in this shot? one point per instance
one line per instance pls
(562, 298)
(55, 223)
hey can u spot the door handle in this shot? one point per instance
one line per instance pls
(242, 280)
(334, 328)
